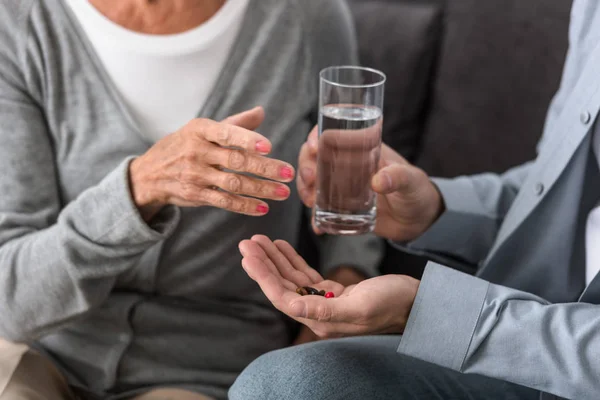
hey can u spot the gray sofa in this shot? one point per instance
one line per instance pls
(469, 81)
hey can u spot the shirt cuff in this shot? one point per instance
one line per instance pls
(444, 316)
(116, 219)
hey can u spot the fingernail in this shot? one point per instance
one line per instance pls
(263, 209)
(388, 181)
(298, 309)
(282, 191)
(307, 173)
(385, 182)
(312, 143)
(263, 147)
(286, 172)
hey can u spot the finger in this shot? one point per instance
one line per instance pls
(283, 265)
(250, 249)
(241, 161)
(389, 156)
(321, 309)
(347, 290)
(297, 261)
(332, 330)
(313, 141)
(228, 135)
(354, 140)
(395, 177)
(308, 197)
(248, 186)
(249, 119)
(331, 286)
(271, 285)
(192, 195)
(307, 165)
(313, 222)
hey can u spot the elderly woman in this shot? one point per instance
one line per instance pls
(129, 173)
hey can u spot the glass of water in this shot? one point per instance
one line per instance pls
(350, 122)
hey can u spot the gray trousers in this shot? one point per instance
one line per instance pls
(362, 368)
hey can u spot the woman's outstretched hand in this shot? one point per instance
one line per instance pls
(373, 306)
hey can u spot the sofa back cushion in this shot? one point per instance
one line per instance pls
(401, 39)
(499, 66)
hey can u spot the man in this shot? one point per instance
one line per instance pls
(527, 326)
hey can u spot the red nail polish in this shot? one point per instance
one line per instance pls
(286, 172)
(263, 209)
(282, 191)
(329, 295)
(263, 147)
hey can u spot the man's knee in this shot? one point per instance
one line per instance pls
(317, 370)
(275, 375)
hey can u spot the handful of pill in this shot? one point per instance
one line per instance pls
(307, 290)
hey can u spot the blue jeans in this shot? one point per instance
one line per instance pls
(362, 368)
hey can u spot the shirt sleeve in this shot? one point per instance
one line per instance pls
(56, 261)
(475, 208)
(467, 324)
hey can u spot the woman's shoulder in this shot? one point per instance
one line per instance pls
(320, 14)
(14, 15)
(330, 27)
(17, 18)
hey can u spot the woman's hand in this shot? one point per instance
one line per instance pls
(206, 163)
(373, 306)
(408, 203)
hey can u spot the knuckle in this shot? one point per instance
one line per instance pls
(224, 133)
(188, 191)
(260, 188)
(243, 141)
(205, 195)
(224, 202)
(323, 313)
(188, 156)
(237, 160)
(261, 167)
(240, 207)
(197, 126)
(233, 184)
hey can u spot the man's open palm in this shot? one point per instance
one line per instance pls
(374, 306)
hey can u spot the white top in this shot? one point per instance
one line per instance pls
(592, 231)
(164, 79)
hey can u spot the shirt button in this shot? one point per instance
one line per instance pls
(539, 188)
(585, 117)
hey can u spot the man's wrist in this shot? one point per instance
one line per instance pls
(412, 295)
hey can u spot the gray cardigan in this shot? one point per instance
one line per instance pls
(116, 303)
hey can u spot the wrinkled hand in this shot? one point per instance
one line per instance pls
(373, 306)
(188, 168)
(407, 201)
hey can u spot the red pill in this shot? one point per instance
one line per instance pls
(329, 295)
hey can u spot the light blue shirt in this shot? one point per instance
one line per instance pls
(527, 316)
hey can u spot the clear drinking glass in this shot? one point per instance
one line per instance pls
(350, 121)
